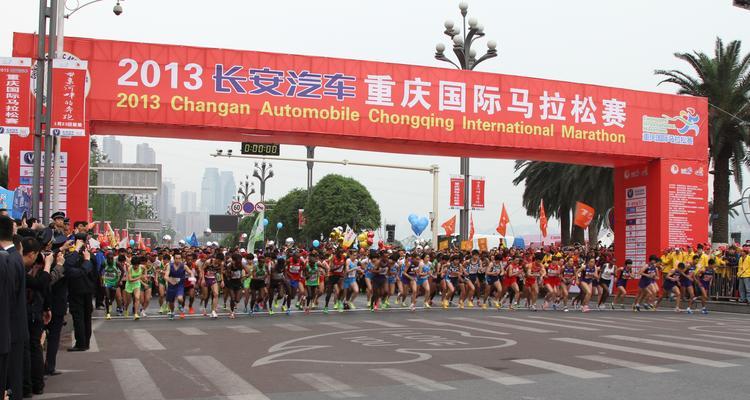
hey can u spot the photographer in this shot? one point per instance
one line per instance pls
(78, 270)
(58, 301)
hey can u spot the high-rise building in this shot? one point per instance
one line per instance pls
(211, 191)
(228, 189)
(166, 203)
(112, 148)
(144, 154)
(188, 222)
(188, 201)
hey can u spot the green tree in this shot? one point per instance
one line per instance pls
(337, 201)
(4, 170)
(725, 80)
(245, 226)
(286, 211)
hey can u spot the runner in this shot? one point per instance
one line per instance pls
(110, 280)
(569, 274)
(149, 282)
(312, 280)
(174, 275)
(534, 274)
(605, 280)
(333, 282)
(494, 274)
(133, 286)
(647, 276)
(671, 285)
(351, 288)
(159, 267)
(211, 268)
(234, 282)
(623, 274)
(258, 283)
(277, 285)
(705, 277)
(588, 274)
(552, 284)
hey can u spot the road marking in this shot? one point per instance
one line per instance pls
(144, 340)
(407, 378)
(502, 325)
(292, 327)
(325, 384)
(135, 381)
(702, 340)
(580, 328)
(385, 324)
(681, 346)
(93, 345)
(242, 329)
(490, 375)
(584, 321)
(645, 319)
(560, 368)
(438, 323)
(678, 319)
(58, 395)
(229, 383)
(722, 337)
(191, 331)
(650, 353)
(339, 325)
(627, 364)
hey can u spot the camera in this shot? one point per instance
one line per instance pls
(117, 9)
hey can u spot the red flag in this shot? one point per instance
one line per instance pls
(471, 227)
(449, 226)
(502, 225)
(542, 219)
(584, 215)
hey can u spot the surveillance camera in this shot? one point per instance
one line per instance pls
(219, 151)
(229, 152)
(117, 9)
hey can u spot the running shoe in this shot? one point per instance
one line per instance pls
(413, 307)
(704, 311)
(565, 309)
(461, 305)
(336, 305)
(127, 313)
(637, 308)
(585, 309)
(325, 310)
(352, 307)
(677, 310)
(554, 306)
(284, 308)
(108, 316)
(375, 308)
(170, 315)
(427, 305)
(612, 305)
(299, 306)
(191, 311)
(276, 304)
(445, 305)
(689, 310)
(471, 304)
(270, 312)
(143, 313)
(532, 308)
(307, 310)
(182, 315)
(288, 312)
(484, 306)
(136, 317)
(544, 306)
(231, 315)
(214, 315)
(341, 308)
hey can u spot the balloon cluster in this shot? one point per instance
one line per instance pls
(365, 239)
(337, 236)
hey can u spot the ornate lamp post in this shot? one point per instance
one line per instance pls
(467, 60)
(263, 172)
(246, 190)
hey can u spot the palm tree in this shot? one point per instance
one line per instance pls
(4, 170)
(725, 80)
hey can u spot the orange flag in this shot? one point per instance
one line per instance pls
(584, 215)
(471, 227)
(449, 226)
(504, 221)
(542, 219)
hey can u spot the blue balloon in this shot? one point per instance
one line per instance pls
(132, 242)
(418, 224)
(279, 225)
(265, 221)
(316, 243)
(413, 218)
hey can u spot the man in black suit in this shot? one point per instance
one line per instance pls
(7, 292)
(58, 302)
(19, 327)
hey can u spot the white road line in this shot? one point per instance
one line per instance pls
(560, 368)
(580, 328)
(678, 319)
(744, 345)
(339, 325)
(191, 331)
(225, 380)
(292, 327)
(646, 319)
(47, 396)
(407, 378)
(385, 324)
(242, 329)
(490, 375)
(585, 321)
(93, 345)
(627, 364)
(448, 324)
(649, 353)
(144, 340)
(722, 337)
(135, 381)
(503, 325)
(681, 346)
(325, 384)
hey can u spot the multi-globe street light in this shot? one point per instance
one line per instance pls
(467, 60)
(263, 172)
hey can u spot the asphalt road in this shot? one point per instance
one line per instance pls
(426, 354)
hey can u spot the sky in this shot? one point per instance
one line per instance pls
(612, 43)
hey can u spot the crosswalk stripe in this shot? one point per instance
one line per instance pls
(678, 319)
(339, 325)
(144, 340)
(627, 364)
(407, 378)
(93, 345)
(722, 337)
(502, 325)
(224, 379)
(292, 327)
(135, 381)
(560, 368)
(681, 346)
(47, 395)
(191, 331)
(647, 319)
(330, 386)
(580, 328)
(490, 375)
(586, 321)
(242, 329)
(650, 353)
(439, 323)
(385, 324)
(680, 338)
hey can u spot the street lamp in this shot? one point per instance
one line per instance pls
(263, 172)
(467, 60)
(246, 190)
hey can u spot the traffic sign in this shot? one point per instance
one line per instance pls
(248, 207)
(260, 207)
(236, 207)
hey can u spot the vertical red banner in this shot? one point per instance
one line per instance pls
(68, 95)
(301, 218)
(457, 192)
(15, 96)
(477, 192)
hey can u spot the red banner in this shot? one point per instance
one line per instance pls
(584, 215)
(502, 225)
(300, 218)
(457, 192)
(68, 98)
(15, 96)
(542, 220)
(450, 226)
(477, 192)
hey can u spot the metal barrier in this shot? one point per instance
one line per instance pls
(726, 286)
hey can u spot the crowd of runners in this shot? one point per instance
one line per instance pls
(207, 280)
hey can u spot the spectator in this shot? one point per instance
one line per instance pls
(79, 270)
(58, 302)
(19, 332)
(37, 284)
(743, 276)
